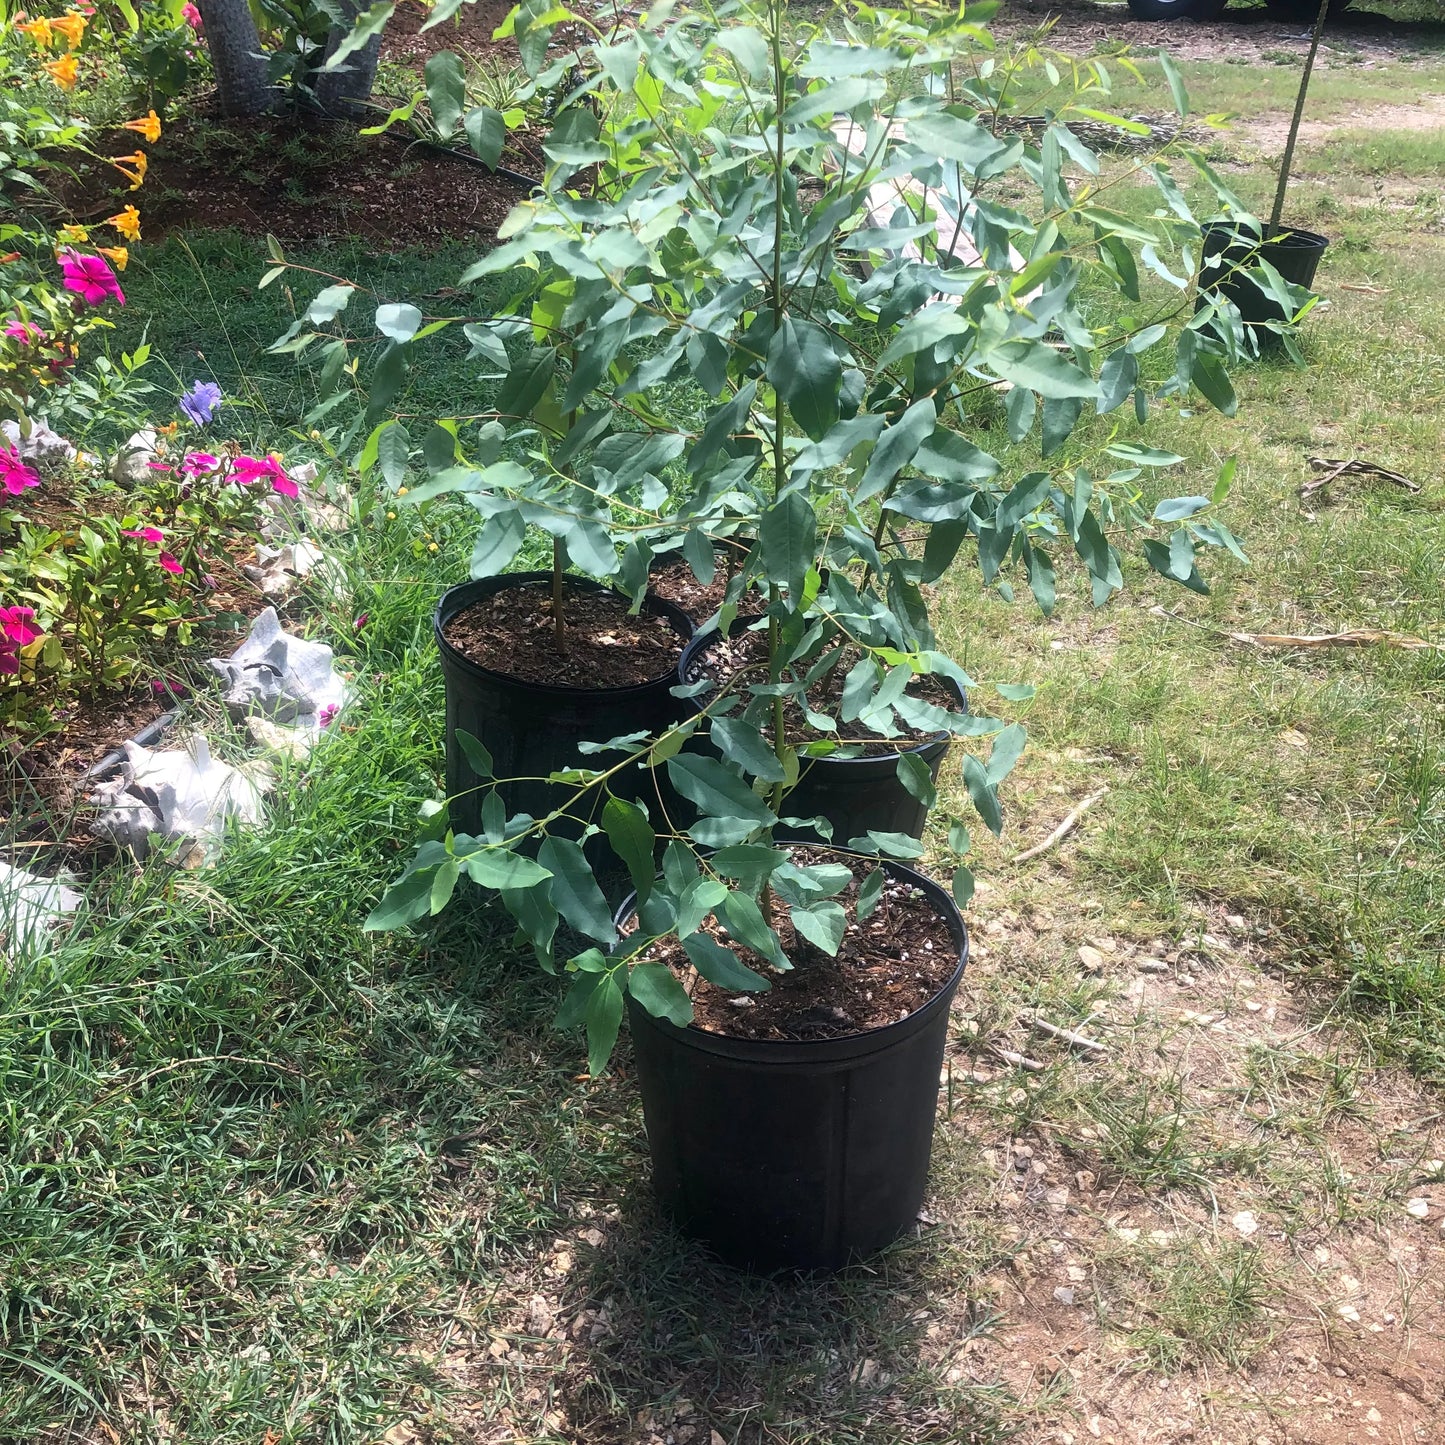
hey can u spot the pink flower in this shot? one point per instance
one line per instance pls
(15, 476)
(27, 333)
(90, 277)
(153, 535)
(17, 623)
(248, 470)
(170, 564)
(199, 464)
(160, 466)
(361, 622)
(164, 687)
(327, 714)
(191, 16)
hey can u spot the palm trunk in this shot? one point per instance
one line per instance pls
(344, 91)
(236, 54)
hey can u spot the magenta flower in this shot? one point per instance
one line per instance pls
(361, 622)
(15, 476)
(249, 469)
(159, 466)
(90, 277)
(153, 535)
(16, 631)
(170, 563)
(327, 714)
(27, 333)
(199, 464)
(191, 16)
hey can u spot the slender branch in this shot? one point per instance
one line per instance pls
(1299, 110)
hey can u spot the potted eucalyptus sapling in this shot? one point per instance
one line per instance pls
(789, 1000)
(1267, 271)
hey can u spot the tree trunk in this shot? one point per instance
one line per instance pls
(345, 90)
(237, 57)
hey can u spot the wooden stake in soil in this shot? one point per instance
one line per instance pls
(1299, 110)
(559, 629)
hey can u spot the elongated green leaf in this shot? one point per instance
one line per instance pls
(917, 777)
(604, 1018)
(1027, 494)
(486, 134)
(787, 536)
(407, 899)
(721, 966)
(498, 543)
(698, 900)
(446, 90)
(823, 925)
(575, 893)
(477, 756)
(718, 791)
(1176, 84)
(806, 372)
(746, 923)
(742, 743)
(499, 868)
(870, 890)
(1042, 369)
(368, 23)
(983, 793)
(656, 988)
(632, 840)
(897, 447)
(1007, 748)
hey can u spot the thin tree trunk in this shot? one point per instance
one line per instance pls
(237, 57)
(344, 91)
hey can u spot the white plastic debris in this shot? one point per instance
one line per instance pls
(177, 794)
(284, 678)
(133, 465)
(278, 569)
(29, 906)
(46, 449)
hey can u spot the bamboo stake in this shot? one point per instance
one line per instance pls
(1063, 830)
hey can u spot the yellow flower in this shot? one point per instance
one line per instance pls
(148, 126)
(127, 222)
(39, 30)
(73, 235)
(71, 26)
(118, 255)
(136, 176)
(63, 71)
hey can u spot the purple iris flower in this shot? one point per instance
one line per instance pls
(201, 401)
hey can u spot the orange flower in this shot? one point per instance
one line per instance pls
(127, 222)
(40, 31)
(73, 235)
(71, 26)
(136, 176)
(9, 257)
(118, 254)
(169, 429)
(148, 126)
(63, 71)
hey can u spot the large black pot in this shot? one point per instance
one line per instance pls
(806, 1155)
(854, 794)
(532, 728)
(1294, 254)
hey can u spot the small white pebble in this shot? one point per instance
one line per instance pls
(1418, 1208)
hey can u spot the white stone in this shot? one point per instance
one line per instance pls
(195, 797)
(1064, 1295)
(1418, 1208)
(285, 678)
(47, 450)
(132, 465)
(29, 906)
(276, 570)
(1246, 1223)
(1091, 960)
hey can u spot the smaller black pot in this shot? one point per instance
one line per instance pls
(854, 794)
(795, 1155)
(1294, 254)
(532, 729)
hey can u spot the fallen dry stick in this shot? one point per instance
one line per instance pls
(1063, 830)
(1078, 1041)
(1355, 637)
(1332, 468)
(1019, 1061)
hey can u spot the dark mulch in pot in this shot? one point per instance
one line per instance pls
(513, 632)
(746, 655)
(887, 967)
(677, 583)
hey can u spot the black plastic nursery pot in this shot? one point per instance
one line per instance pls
(1294, 254)
(795, 1155)
(530, 728)
(855, 794)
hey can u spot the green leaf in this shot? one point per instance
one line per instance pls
(1176, 84)
(386, 379)
(632, 840)
(717, 790)
(823, 925)
(478, 758)
(498, 543)
(1007, 748)
(486, 134)
(500, 869)
(443, 883)
(1143, 456)
(368, 23)
(745, 745)
(962, 886)
(891, 845)
(1117, 379)
(746, 923)
(897, 447)
(721, 966)
(699, 899)
(983, 793)
(407, 899)
(604, 1018)
(393, 452)
(1019, 406)
(398, 320)
(1176, 509)
(329, 304)
(1042, 369)
(446, 90)
(1209, 375)
(917, 777)
(1026, 496)
(787, 535)
(574, 890)
(526, 382)
(806, 371)
(747, 47)
(870, 890)
(656, 988)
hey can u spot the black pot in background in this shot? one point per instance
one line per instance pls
(532, 728)
(1294, 254)
(806, 1155)
(853, 794)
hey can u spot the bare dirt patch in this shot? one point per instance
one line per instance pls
(1270, 131)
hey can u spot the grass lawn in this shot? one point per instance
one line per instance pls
(264, 1178)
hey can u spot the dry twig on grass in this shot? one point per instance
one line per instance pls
(1353, 637)
(1330, 468)
(1078, 1041)
(1063, 830)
